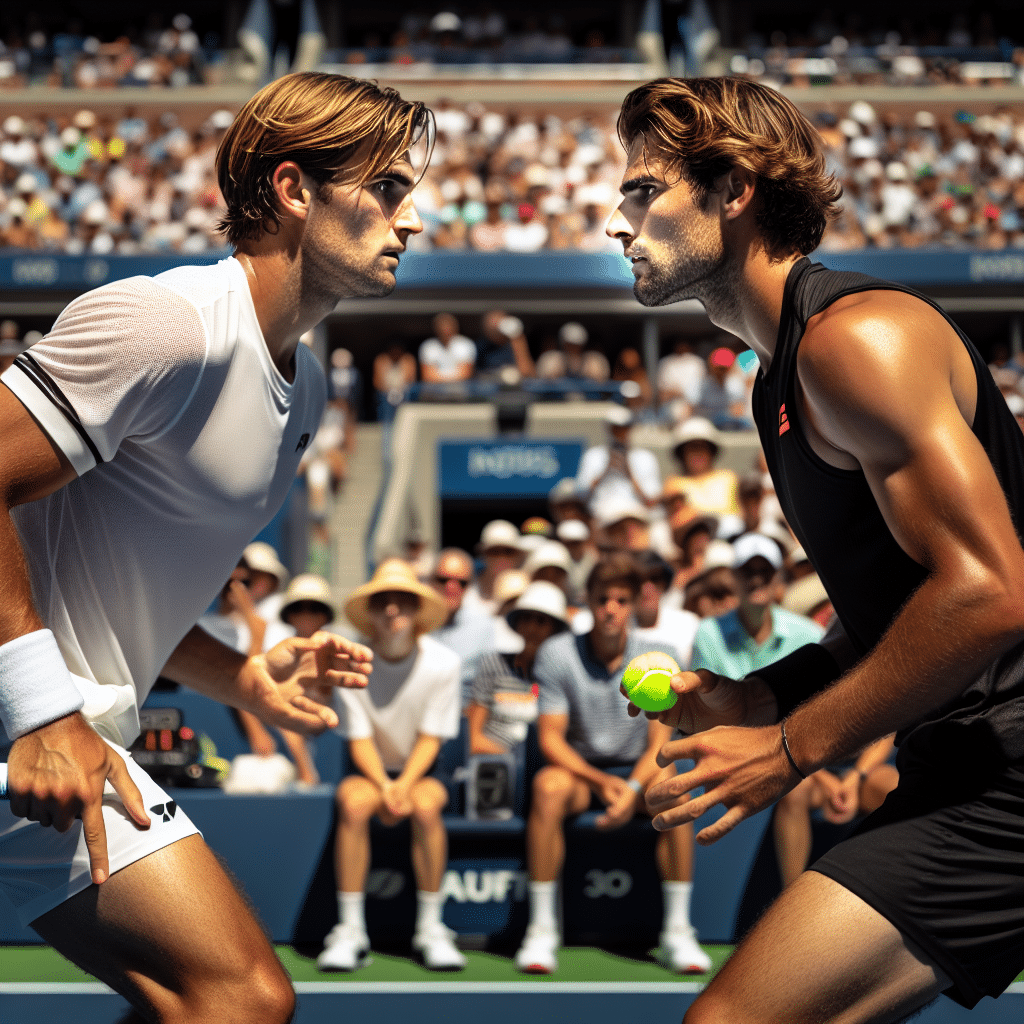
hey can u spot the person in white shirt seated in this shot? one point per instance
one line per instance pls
(653, 618)
(448, 357)
(395, 728)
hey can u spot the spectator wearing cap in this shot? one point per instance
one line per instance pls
(469, 632)
(550, 562)
(395, 728)
(758, 632)
(695, 445)
(528, 233)
(713, 591)
(17, 148)
(499, 549)
(503, 700)
(567, 500)
(447, 357)
(575, 535)
(598, 756)
(655, 620)
(572, 360)
(267, 577)
(623, 525)
(721, 395)
(618, 471)
(503, 344)
(507, 588)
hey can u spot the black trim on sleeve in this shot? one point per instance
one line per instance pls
(799, 676)
(46, 385)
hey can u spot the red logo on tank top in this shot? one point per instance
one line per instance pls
(783, 419)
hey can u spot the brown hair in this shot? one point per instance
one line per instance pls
(703, 127)
(339, 130)
(617, 569)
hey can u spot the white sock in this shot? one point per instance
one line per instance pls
(351, 909)
(428, 909)
(677, 905)
(542, 904)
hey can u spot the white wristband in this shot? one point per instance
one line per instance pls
(636, 785)
(36, 687)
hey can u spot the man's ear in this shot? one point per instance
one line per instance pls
(737, 193)
(293, 197)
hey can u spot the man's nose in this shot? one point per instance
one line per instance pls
(618, 227)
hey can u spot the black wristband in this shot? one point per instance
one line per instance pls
(789, 753)
(798, 676)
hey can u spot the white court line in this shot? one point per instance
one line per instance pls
(95, 988)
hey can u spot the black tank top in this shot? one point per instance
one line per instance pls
(834, 515)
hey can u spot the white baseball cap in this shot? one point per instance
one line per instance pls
(498, 533)
(754, 545)
(572, 530)
(261, 557)
(550, 553)
(541, 596)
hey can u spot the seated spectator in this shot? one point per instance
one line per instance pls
(758, 632)
(623, 525)
(528, 233)
(395, 728)
(696, 447)
(575, 535)
(567, 500)
(842, 792)
(721, 395)
(618, 471)
(679, 377)
(571, 360)
(692, 533)
(448, 356)
(508, 587)
(629, 369)
(550, 562)
(503, 344)
(655, 620)
(503, 700)
(713, 592)
(597, 756)
(267, 577)
(673, 498)
(498, 547)
(466, 631)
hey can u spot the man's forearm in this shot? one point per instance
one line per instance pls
(944, 637)
(421, 758)
(204, 664)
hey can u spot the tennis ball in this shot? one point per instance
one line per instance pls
(646, 681)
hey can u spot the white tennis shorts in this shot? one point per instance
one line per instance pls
(40, 867)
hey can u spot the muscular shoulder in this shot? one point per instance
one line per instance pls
(874, 364)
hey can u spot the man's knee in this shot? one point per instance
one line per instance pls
(262, 993)
(356, 798)
(552, 787)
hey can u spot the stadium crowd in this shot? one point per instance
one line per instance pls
(502, 180)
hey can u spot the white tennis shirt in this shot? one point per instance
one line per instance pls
(185, 437)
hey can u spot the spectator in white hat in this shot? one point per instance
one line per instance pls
(551, 563)
(696, 444)
(758, 632)
(503, 700)
(395, 728)
(572, 360)
(499, 547)
(617, 470)
(713, 591)
(267, 578)
(624, 525)
(575, 535)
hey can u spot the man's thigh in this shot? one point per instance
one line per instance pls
(819, 954)
(167, 932)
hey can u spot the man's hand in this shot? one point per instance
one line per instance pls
(288, 685)
(56, 774)
(397, 798)
(743, 769)
(842, 798)
(620, 802)
(705, 700)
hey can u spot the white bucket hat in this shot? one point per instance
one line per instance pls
(308, 587)
(544, 597)
(550, 553)
(261, 557)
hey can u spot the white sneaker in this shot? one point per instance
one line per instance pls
(680, 952)
(345, 948)
(436, 945)
(537, 954)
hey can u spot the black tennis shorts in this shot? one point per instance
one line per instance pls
(943, 860)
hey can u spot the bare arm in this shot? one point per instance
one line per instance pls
(551, 733)
(57, 772)
(479, 742)
(888, 387)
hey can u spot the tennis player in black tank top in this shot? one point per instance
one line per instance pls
(901, 471)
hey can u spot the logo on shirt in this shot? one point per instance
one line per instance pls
(783, 419)
(165, 810)
(303, 441)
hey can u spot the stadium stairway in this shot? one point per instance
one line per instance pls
(354, 508)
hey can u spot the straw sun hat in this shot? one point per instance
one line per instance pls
(394, 574)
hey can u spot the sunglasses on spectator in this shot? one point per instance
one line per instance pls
(442, 580)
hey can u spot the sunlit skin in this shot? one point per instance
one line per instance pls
(392, 614)
(340, 242)
(451, 577)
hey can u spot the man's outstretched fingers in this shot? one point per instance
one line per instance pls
(725, 824)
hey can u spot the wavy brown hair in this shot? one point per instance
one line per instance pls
(339, 130)
(700, 128)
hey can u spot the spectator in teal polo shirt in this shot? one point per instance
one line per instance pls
(757, 632)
